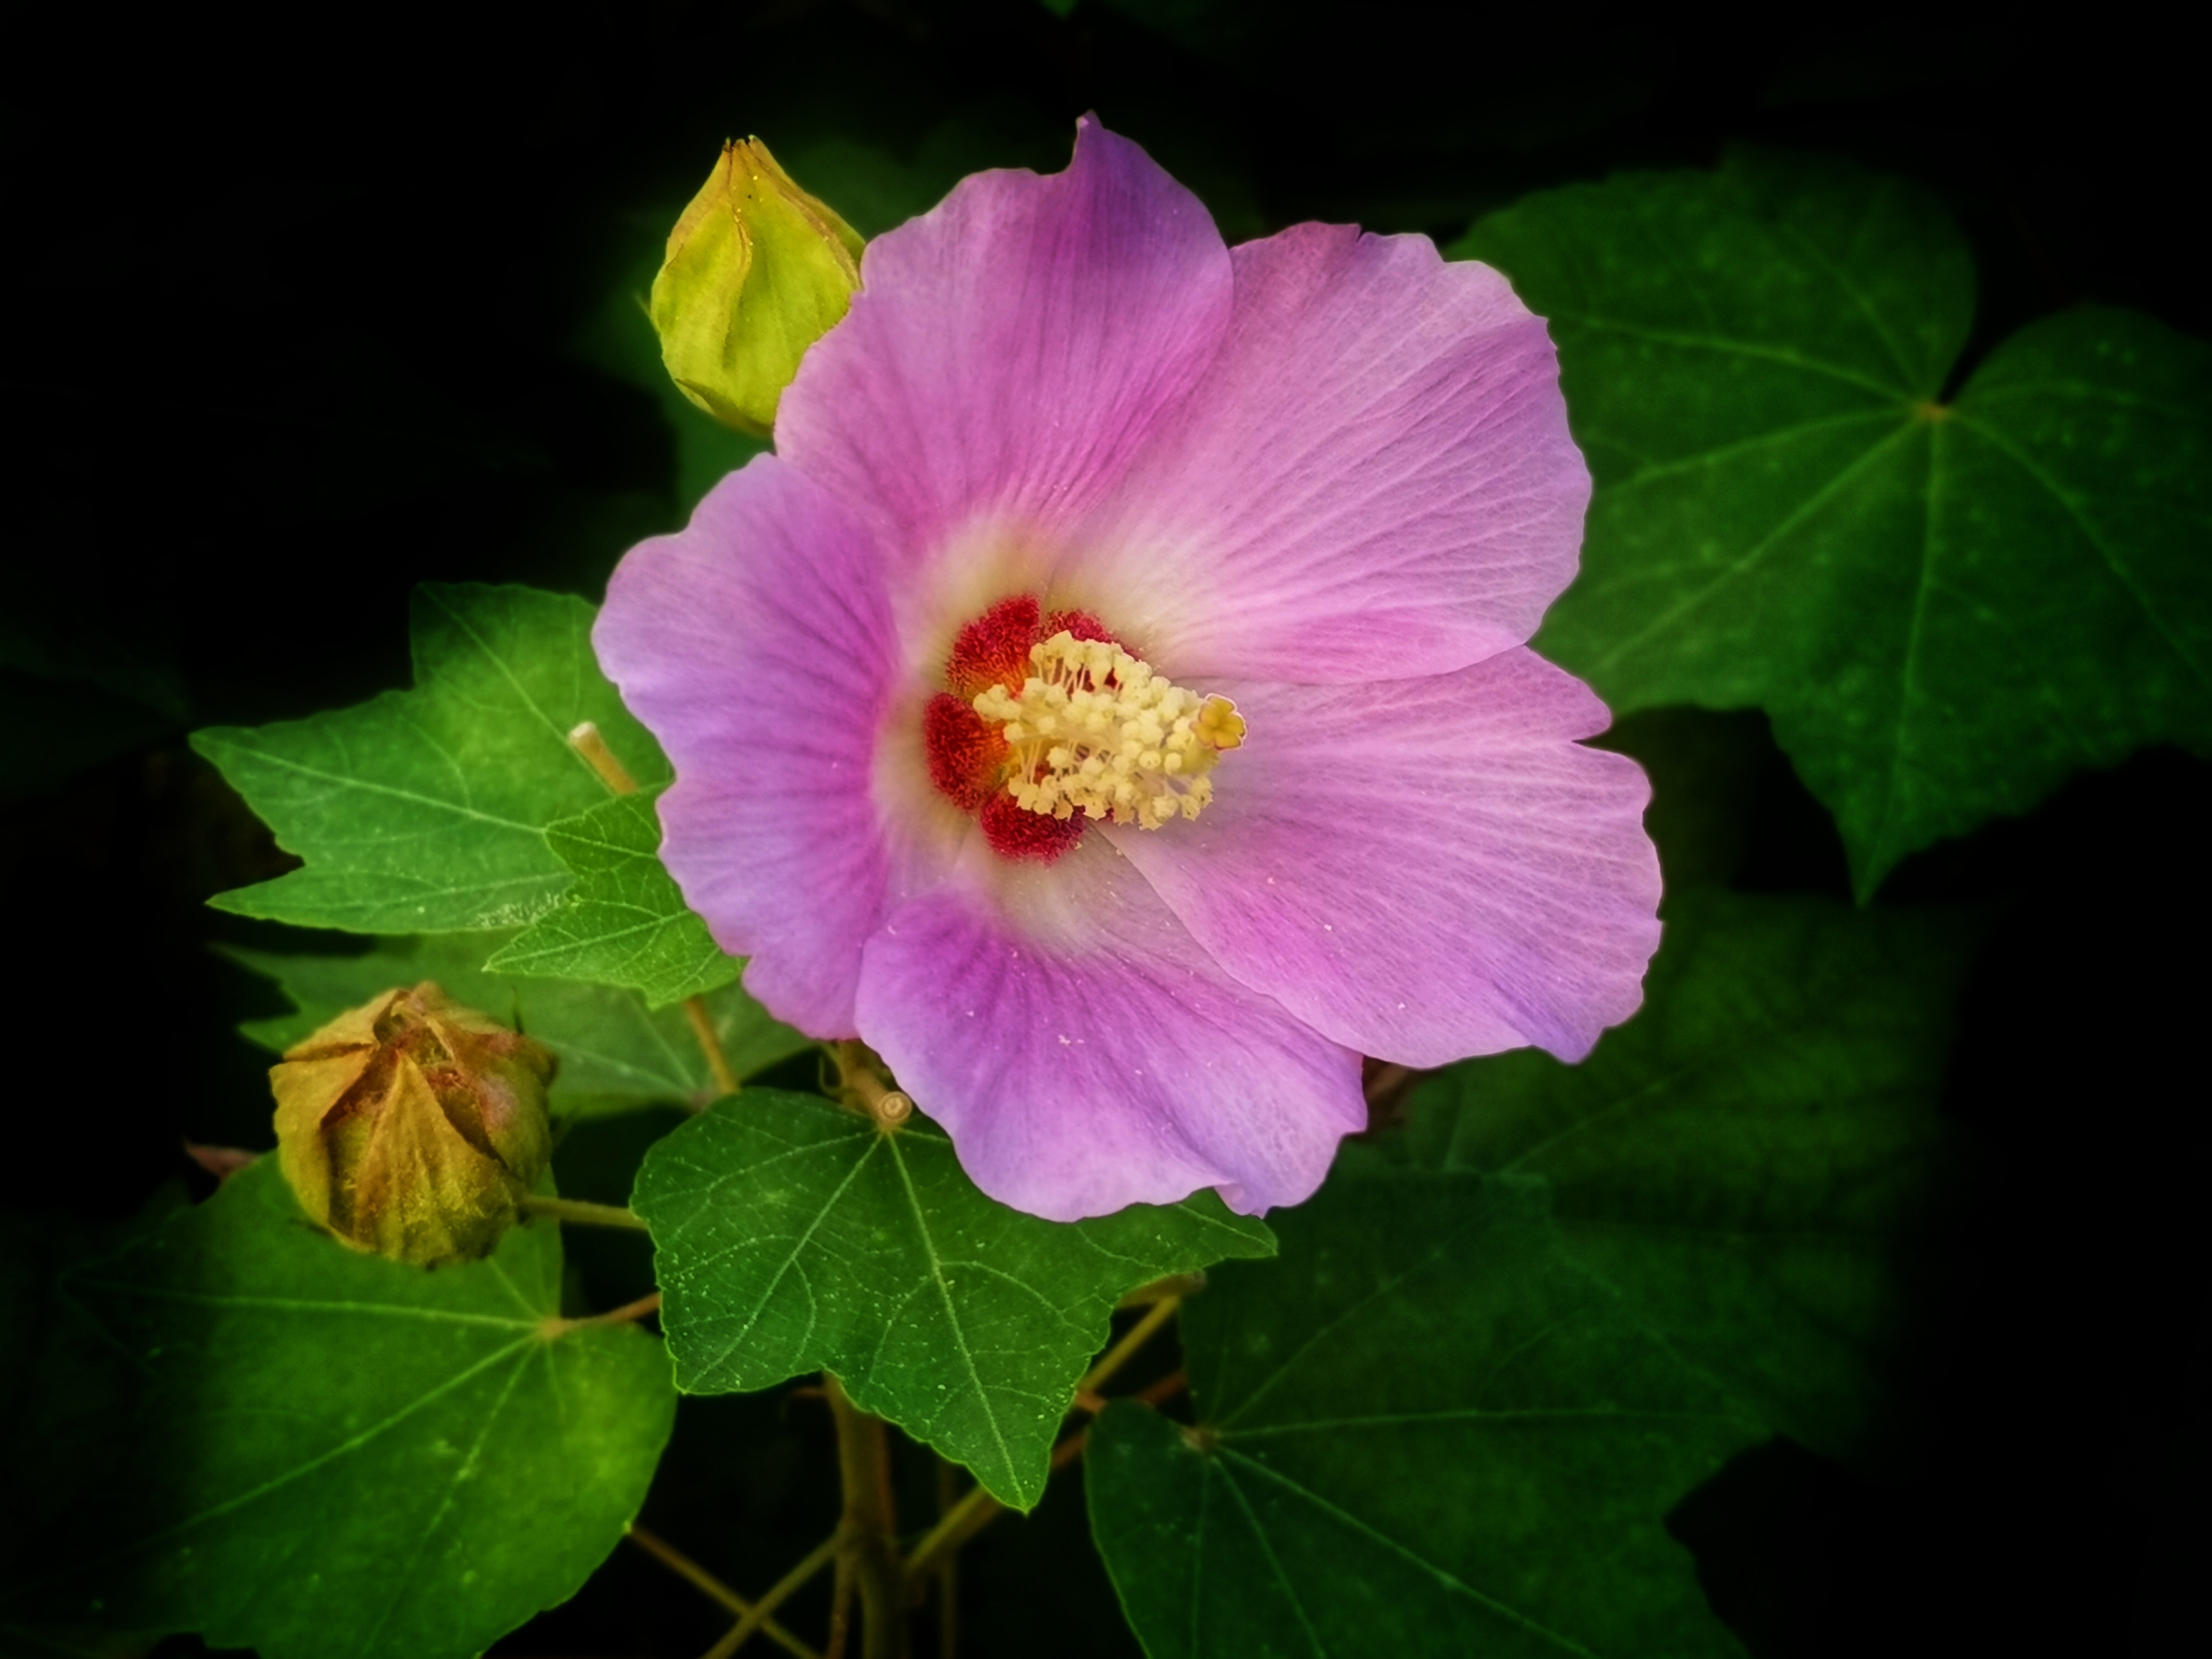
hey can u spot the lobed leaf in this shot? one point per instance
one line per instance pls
(1754, 1159)
(791, 1236)
(425, 810)
(623, 922)
(339, 1457)
(615, 1054)
(1944, 608)
(1423, 1431)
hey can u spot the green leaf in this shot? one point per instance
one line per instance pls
(339, 1457)
(425, 810)
(1423, 1431)
(791, 1237)
(615, 1053)
(1944, 611)
(1754, 1159)
(623, 922)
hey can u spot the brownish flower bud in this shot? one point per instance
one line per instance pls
(413, 1127)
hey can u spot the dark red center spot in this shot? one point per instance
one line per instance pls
(1015, 832)
(968, 761)
(1081, 623)
(994, 648)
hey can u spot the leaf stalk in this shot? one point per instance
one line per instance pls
(592, 747)
(715, 1590)
(781, 1591)
(584, 1214)
(862, 1087)
(702, 1027)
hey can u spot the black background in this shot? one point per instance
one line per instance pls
(293, 306)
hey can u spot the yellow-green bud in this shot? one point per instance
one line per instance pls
(413, 1127)
(758, 271)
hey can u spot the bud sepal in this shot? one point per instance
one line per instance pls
(757, 271)
(413, 1127)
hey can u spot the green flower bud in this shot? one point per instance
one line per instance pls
(413, 1127)
(758, 271)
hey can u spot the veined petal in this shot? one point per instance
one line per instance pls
(1424, 869)
(757, 645)
(1012, 348)
(1085, 1053)
(1373, 481)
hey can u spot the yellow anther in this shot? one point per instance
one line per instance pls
(1096, 729)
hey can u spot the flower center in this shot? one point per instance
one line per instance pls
(1052, 722)
(1093, 729)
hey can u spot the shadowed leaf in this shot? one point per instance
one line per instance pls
(1754, 1159)
(340, 1457)
(1945, 609)
(1422, 1431)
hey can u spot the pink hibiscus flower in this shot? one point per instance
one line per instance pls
(1110, 702)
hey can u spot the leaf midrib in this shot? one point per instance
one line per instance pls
(722, 1359)
(1768, 1034)
(460, 1478)
(344, 1449)
(1756, 553)
(270, 758)
(1479, 1414)
(288, 1304)
(1226, 1455)
(1781, 355)
(952, 1316)
(2113, 565)
(436, 596)
(1321, 1333)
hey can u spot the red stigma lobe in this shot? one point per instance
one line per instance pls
(1015, 832)
(965, 754)
(994, 648)
(1081, 623)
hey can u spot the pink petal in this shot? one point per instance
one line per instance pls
(1375, 479)
(1011, 349)
(757, 645)
(1424, 869)
(1085, 1053)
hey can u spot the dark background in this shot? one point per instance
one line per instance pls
(305, 311)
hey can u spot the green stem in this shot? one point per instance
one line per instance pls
(702, 1028)
(861, 1088)
(777, 1593)
(583, 1215)
(948, 1576)
(705, 1581)
(592, 748)
(1139, 1333)
(863, 1466)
